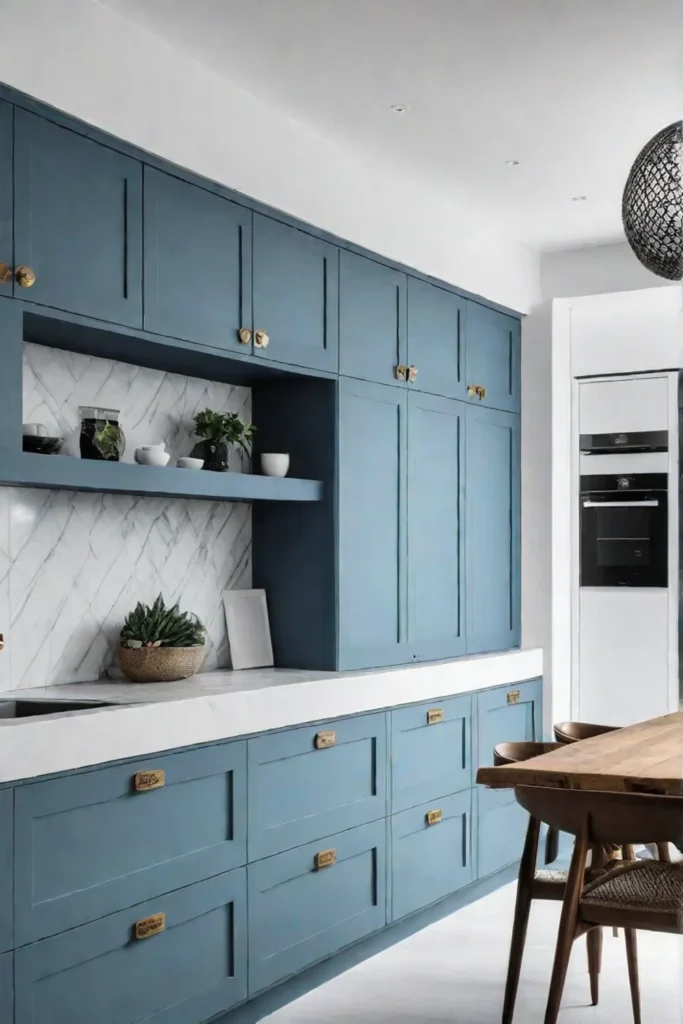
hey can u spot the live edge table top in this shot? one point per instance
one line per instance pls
(642, 758)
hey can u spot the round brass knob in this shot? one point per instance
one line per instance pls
(25, 277)
(244, 335)
(261, 339)
(6, 273)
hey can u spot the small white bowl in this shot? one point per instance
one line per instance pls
(151, 457)
(275, 463)
(188, 463)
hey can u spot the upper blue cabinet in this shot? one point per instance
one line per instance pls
(435, 339)
(6, 232)
(492, 358)
(372, 320)
(296, 278)
(197, 263)
(77, 222)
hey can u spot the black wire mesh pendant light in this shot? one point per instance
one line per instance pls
(652, 204)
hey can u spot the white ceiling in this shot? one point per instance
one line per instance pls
(570, 88)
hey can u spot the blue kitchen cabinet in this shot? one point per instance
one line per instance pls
(436, 528)
(197, 263)
(296, 278)
(7, 988)
(492, 525)
(89, 844)
(436, 338)
(306, 904)
(492, 357)
(372, 525)
(431, 852)
(77, 221)
(184, 968)
(309, 782)
(6, 192)
(431, 751)
(372, 320)
(6, 873)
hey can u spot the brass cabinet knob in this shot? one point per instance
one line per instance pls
(412, 373)
(244, 335)
(6, 273)
(400, 372)
(476, 391)
(261, 339)
(25, 277)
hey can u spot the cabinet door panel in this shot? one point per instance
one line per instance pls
(197, 263)
(492, 356)
(372, 319)
(430, 760)
(6, 193)
(7, 988)
(77, 221)
(295, 295)
(372, 526)
(436, 538)
(435, 318)
(493, 530)
(6, 871)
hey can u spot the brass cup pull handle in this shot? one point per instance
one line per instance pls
(244, 335)
(412, 374)
(325, 859)
(25, 277)
(261, 339)
(400, 372)
(435, 716)
(2, 642)
(326, 738)
(513, 697)
(6, 273)
(146, 927)
(434, 817)
(476, 391)
(153, 779)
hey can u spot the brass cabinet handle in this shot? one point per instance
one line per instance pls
(261, 339)
(2, 642)
(434, 716)
(244, 335)
(476, 391)
(400, 372)
(412, 374)
(434, 817)
(6, 273)
(324, 739)
(153, 779)
(325, 859)
(25, 277)
(146, 927)
(513, 697)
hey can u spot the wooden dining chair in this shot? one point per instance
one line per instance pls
(536, 884)
(632, 894)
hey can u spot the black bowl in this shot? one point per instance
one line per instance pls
(42, 445)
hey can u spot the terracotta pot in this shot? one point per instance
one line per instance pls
(160, 664)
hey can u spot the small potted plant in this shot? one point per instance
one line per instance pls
(161, 644)
(220, 430)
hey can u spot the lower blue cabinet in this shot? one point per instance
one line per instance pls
(7, 988)
(185, 974)
(431, 750)
(431, 852)
(502, 825)
(306, 904)
(6, 871)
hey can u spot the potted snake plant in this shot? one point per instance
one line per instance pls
(159, 644)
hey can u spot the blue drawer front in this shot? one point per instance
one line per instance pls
(502, 826)
(430, 861)
(6, 869)
(7, 988)
(186, 974)
(87, 845)
(298, 914)
(298, 793)
(430, 760)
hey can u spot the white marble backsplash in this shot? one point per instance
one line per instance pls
(73, 564)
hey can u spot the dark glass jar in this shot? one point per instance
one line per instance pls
(102, 438)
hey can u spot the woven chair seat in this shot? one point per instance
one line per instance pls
(551, 875)
(649, 885)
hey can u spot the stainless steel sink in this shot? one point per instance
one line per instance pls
(31, 708)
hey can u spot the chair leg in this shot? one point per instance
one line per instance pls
(664, 853)
(527, 870)
(565, 935)
(632, 961)
(594, 945)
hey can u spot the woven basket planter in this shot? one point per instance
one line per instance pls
(160, 664)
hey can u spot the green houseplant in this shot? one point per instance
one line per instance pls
(160, 644)
(220, 430)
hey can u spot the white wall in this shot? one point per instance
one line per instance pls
(594, 269)
(91, 62)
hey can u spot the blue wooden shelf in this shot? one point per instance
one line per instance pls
(62, 472)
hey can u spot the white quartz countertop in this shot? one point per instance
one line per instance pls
(150, 717)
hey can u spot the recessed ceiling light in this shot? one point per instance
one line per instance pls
(579, 199)
(512, 163)
(400, 108)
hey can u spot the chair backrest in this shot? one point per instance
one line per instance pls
(622, 818)
(572, 732)
(511, 753)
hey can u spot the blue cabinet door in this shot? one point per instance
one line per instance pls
(77, 221)
(197, 263)
(301, 911)
(6, 186)
(309, 782)
(372, 319)
(492, 357)
(296, 277)
(492, 523)
(430, 852)
(431, 751)
(186, 972)
(435, 338)
(436, 535)
(6, 870)
(87, 845)
(372, 556)
(7, 988)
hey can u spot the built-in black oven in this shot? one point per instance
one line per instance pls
(623, 530)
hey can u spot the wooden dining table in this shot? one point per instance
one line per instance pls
(642, 758)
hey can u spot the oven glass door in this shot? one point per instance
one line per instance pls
(624, 539)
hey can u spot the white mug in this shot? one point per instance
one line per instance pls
(34, 430)
(275, 463)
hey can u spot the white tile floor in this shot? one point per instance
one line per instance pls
(453, 973)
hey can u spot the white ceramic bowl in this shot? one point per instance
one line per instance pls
(275, 463)
(188, 463)
(151, 457)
